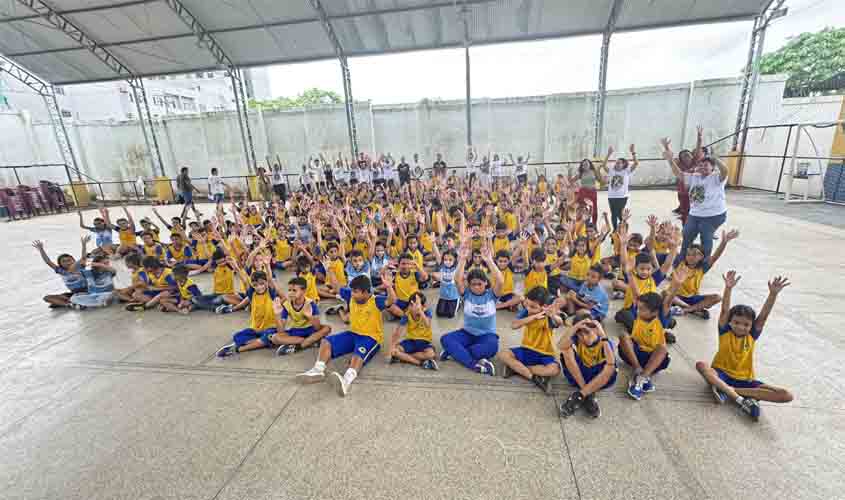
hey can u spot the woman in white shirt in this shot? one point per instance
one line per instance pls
(618, 180)
(708, 207)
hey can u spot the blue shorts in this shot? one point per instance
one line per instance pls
(348, 342)
(218, 197)
(643, 357)
(187, 197)
(530, 357)
(588, 373)
(319, 269)
(410, 346)
(596, 315)
(401, 304)
(506, 297)
(571, 283)
(153, 293)
(199, 262)
(737, 384)
(300, 332)
(692, 299)
(249, 334)
(661, 258)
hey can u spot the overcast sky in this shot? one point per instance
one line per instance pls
(655, 57)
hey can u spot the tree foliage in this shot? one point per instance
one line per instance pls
(311, 97)
(808, 59)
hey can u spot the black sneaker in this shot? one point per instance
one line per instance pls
(670, 338)
(591, 406)
(543, 383)
(393, 360)
(703, 314)
(506, 371)
(571, 405)
(436, 284)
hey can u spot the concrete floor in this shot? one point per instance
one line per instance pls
(110, 404)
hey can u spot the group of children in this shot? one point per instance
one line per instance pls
(378, 253)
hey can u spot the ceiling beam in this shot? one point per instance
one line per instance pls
(81, 10)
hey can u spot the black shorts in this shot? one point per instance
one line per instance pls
(446, 308)
(280, 190)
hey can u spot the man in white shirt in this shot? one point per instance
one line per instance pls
(216, 187)
(279, 182)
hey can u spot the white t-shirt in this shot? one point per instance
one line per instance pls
(706, 194)
(496, 168)
(278, 178)
(618, 180)
(215, 185)
(520, 168)
(472, 168)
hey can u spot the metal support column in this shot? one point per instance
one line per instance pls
(347, 78)
(145, 119)
(239, 108)
(601, 95)
(465, 12)
(245, 109)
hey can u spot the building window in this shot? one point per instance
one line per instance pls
(66, 114)
(59, 90)
(198, 75)
(209, 75)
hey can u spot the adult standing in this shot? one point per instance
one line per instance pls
(619, 178)
(706, 188)
(404, 171)
(589, 176)
(472, 168)
(328, 173)
(520, 169)
(364, 173)
(686, 161)
(439, 167)
(186, 190)
(279, 183)
(216, 187)
(497, 170)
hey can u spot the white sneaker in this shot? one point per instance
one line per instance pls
(336, 380)
(312, 376)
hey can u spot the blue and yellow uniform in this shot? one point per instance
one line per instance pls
(647, 336)
(535, 279)
(297, 324)
(366, 327)
(223, 279)
(179, 254)
(337, 268)
(262, 318)
(418, 257)
(311, 286)
(644, 286)
(203, 250)
(690, 289)
(154, 250)
(418, 332)
(734, 361)
(406, 285)
(507, 284)
(127, 237)
(536, 348)
(591, 359)
(188, 289)
(164, 281)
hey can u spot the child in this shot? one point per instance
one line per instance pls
(262, 318)
(689, 298)
(70, 271)
(588, 364)
(509, 298)
(644, 349)
(365, 334)
(449, 299)
(179, 252)
(477, 342)
(580, 261)
(535, 358)
(102, 230)
(591, 297)
(100, 278)
(133, 264)
(731, 374)
(158, 284)
(188, 291)
(416, 349)
(151, 247)
(126, 234)
(335, 274)
(298, 321)
(407, 282)
(223, 269)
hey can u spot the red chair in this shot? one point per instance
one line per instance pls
(53, 196)
(31, 200)
(10, 201)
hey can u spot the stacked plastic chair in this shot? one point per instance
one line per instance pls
(11, 202)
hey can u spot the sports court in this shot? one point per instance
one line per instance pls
(112, 404)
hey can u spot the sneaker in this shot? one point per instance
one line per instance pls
(223, 309)
(436, 284)
(430, 364)
(77, 307)
(227, 350)
(703, 314)
(635, 388)
(648, 385)
(331, 311)
(340, 385)
(571, 405)
(718, 395)
(485, 367)
(618, 295)
(670, 337)
(312, 376)
(444, 355)
(285, 349)
(676, 311)
(135, 306)
(543, 383)
(507, 372)
(591, 406)
(393, 360)
(751, 407)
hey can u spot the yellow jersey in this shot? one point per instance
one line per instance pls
(418, 258)
(253, 219)
(204, 249)
(311, 286)
(426, 242)
(296, 319)
(648, 335)
(364, 247)
(406, 285)
(590, 355)
(507, 281)
(365, 319)
(644, 286)
(417, 329)
(535, 279)
(281, 250)
(223, 279)
(579, 265)
(160, 282)
(551, 259)
(336, 268)
(127, 237)
(510, 221)
(178, 254)
(188, 289)
(500, 244)
(537, 335)
(261, 315)
(154, 250)
(735, 356)
(692, 284)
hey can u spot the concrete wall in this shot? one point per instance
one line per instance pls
(550, 128)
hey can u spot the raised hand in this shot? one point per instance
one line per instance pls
(278, 307)
(85, 239)
(610, 151)
(666, 142)
(778, 284)
(730, 235)
(626, 214)
(652, 221)
(731, 279)
(38, 245)
(680, 274)
(633, 150)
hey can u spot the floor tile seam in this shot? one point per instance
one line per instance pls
(565, 450)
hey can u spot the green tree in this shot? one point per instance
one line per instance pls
(808, 59)
(311, 97)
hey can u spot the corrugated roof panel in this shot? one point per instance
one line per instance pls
(346, 7)
(164, 56)
(649, 13)
(222, 14)
(130, 23)
(399, 31)
(69, 66)
(28, 36)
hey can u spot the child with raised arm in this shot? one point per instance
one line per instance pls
(126, 233)
(416, 349)
(535, 358)
(731, 373)
(644, 349)
(449, 298)
(262, 318)
(71, 272)
(476, 343)
(102, 230)
(591, 297)
(586, 355)
(100, 278)
(362, 340)
(689, 296)
(158, 284)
